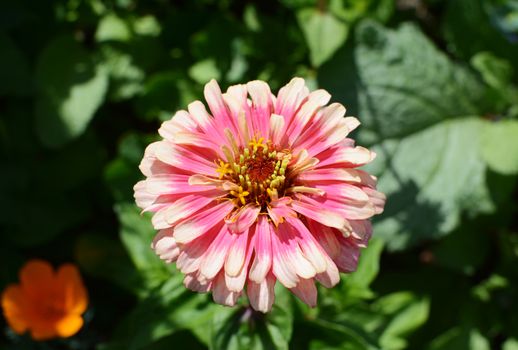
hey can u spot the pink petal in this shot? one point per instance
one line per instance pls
(181, 121)
(318, 212)
(331, 276)
(261, 105)
(280, 209)
(197, 283)
(347, 260)
(197, 225)
(348, 157)
(311, 250)
(221, 294)
(189, 259)
(218, 107)
(315, 100)
(150, 165)
(317, 176)
(186, 158)
(377, 198)
(277, 128)
(290, 97)
(236, 254)
(181, 209)
(165, 246)
(214, 258)
(285, 247)
(326, 237)
(243, 218)
(201, 117)
(237, 283)
(261, 295)
(306, 291)
(263, 250)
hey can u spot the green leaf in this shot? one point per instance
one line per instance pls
(410, 313)
(458, 338)
(167, 309)
(136, 234)
(510, 344)
(496, 72)
(203, 71)
(71, 89)
(126, 78)
(112, 28)
(356, 284)
(413, 104)
(244, 328)
(147, 26)
(500, 146)
(323, 32)
(467, 19)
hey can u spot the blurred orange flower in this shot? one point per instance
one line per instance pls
(48, 303)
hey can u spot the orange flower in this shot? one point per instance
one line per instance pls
(48, 303)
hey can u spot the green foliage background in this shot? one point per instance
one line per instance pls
(85, 84)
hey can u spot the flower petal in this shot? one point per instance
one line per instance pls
(306, 291)
(200, 223)
(263, 251)
(261, 295)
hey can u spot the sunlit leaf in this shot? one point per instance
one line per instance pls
(71, 87)
(324, 33)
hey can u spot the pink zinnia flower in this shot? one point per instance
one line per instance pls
(264, 188)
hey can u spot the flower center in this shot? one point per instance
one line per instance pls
(259, 171)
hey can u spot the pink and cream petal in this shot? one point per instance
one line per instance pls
(261, 295)
(263, 250)
(306, 291)
(200, 223)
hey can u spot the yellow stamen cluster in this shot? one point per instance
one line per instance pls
(240, 196)
(259, 170)
(223, 169)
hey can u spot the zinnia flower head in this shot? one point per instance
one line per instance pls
(263, 188)
(47, 303)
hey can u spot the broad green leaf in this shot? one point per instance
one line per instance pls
(510, 344)
(136, 234)
(496, 72)
(167, 309)
(414, 103)
(467, 19)
(203, 71)
(112, 28)
(409, 314)
(244, 328)
(342, 335)
(458, 338)
(160, 96)
(386, 323)
(71, 87)
(500, 146)
(352, 11)
(357, 283)
(323, 32)
(126, 78)
(147, 26)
